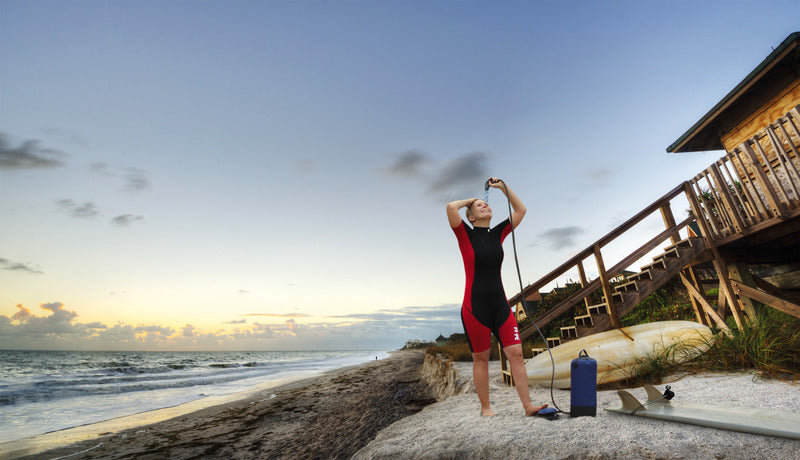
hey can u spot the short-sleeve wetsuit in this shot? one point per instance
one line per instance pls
(485, 309)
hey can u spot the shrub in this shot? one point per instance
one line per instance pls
(461, 351)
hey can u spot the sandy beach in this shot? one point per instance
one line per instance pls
(453, 429)
(331, 416)
(386, 410)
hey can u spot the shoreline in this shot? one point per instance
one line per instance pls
(158, 433)
(50, 440)
(125, 389)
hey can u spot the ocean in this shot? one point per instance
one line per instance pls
(44, 391)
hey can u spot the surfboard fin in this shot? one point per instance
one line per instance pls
(656, 397)
(653, 395)
(629, 402)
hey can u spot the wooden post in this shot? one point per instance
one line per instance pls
(759, 211)
(785, 202)
(775, 291)
(783, 160)
(769, 192)
(584, 282)
(508, 378)
(694, 292)
(669, 221)
(722, 303)
(727, 200)
(719, 265)
(792, 149)
(740, 274)
(769, 299)
(704, 213)
(747, 211)
(689, 277)
(612, 310)
(721, 217)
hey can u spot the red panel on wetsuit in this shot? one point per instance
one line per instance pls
(485, 309)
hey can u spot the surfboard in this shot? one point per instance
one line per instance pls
(618, 351)
(768, 422)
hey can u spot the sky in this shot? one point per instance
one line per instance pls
(245, 175)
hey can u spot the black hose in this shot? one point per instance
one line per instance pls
(524, 304)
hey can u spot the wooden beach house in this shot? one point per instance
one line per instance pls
(742, 234)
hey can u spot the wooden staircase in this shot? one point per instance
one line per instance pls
(634, 290)
(592, 319)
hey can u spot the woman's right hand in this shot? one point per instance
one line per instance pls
(453, 217)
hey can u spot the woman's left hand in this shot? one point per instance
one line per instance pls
(495, 183)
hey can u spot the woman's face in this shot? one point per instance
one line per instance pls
(480, 210)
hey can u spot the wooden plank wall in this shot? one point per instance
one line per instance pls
(770, 111)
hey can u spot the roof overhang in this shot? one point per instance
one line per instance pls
(779, 69)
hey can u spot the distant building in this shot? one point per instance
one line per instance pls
(416, 343)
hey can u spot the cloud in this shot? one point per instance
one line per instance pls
(136, 179)
(89, 210)
(278, 315)
(409, 314)
(382, 329)
(243, 291)
(58, 322)
(27, 156)
(162, 330)
(407, 164)
(22, 314)
(125, 219)
(562, 237)
(6, 264)
(67, 136)
(464, 171)
(85, 210)
(100, 168)
(188, 330)
(456, 178)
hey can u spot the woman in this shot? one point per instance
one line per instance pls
(485, 309)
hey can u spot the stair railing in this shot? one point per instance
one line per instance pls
(595, 250)
(749, 189)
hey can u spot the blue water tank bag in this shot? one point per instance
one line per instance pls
(583, 386)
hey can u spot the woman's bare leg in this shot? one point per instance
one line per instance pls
(480, 377)
(520, 374)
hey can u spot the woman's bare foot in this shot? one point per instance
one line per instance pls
(487, 412)
(530, 411)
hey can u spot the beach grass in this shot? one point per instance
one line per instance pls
(769, 346)
(461, 351)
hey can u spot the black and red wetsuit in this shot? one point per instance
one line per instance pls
(485, 309)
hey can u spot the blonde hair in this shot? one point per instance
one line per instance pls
(469, 208)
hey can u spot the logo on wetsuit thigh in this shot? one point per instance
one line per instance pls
(516, 333)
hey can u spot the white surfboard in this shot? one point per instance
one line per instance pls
(768, 422)
(618, 351)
